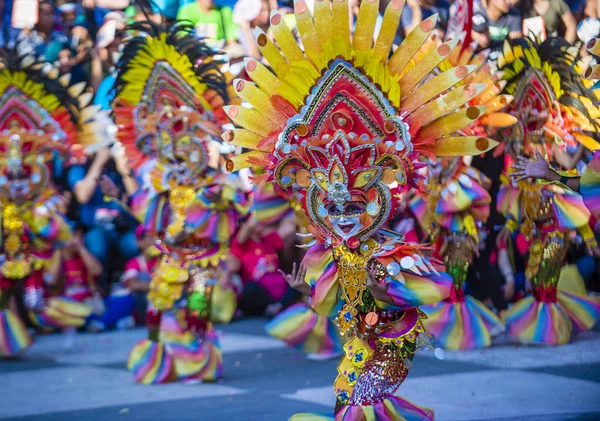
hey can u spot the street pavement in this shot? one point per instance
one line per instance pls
(264, 380)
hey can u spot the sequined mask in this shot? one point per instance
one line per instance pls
(23, 170)
(178, 137)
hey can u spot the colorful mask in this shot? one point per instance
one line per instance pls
(348, 120)
(161, 106)
(551, 101)
(40, 115)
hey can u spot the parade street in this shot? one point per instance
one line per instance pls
(264, 380)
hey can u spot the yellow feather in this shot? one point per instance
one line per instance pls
(243, 138)
(412, 44)
(365, 25)
(322, 19)
(251, 119)
(271, 53)
(250, 93)
(264, 78)
(285, 40)
(452, 122)
(434, 87)
(587, 141)
(463, 146)
(444, 104)
(389, 27)
(242, 161)
(341, 23)
(507, 52)
(306, 27)
(425, 66)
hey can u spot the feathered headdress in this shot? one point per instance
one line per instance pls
(347, 118)
(40, 114)
(551, 100)
(167, 91)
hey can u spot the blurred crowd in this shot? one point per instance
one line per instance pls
(110, 259)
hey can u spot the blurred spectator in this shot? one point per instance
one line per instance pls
(43, 37)
(8, 35)
(249, 15)
(70, 16)
(256, 248)
(99, 188)
(98, 9)
(416, 11)
(74, 56)
(138, 271)
(554, 13)
(215, 23)
(493, 22)
(591, 9)
(108, 42)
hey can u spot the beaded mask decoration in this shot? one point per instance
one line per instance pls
(167, 89)
(40, 114)
(345, 119)
(551, 101)
(593, 71)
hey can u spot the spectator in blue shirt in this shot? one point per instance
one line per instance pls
(100, 188)
(43, 36)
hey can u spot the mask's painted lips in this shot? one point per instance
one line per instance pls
(346, 228)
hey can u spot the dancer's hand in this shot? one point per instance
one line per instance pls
(296, 279)
(378, 291)
(502, 237)
(509, 290)
(536, 169)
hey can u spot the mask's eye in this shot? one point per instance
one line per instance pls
(333, 210)
(353, 209)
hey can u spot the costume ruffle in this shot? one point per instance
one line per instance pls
(60, 313)
(467, 324)
(300, 327)
(312, 416)
(584, 311)
(589, 185)
(462, 193)
(191, 358)
(411, 287)
(568, 207)
(14, 338)
(151, 363)
(268, 205)
(393, 408)
(194, 359)
(533, 321)
(216, 221)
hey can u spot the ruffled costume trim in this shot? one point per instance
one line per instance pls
(177, 356)
(151, 363)
(460, 196)
(194, 359)
(60, 313)
(14, 338)
(584, 311)
(301, 328)
(533, 321)
(462, 324)
(568, 207)
(393, 408)
(589, 185)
